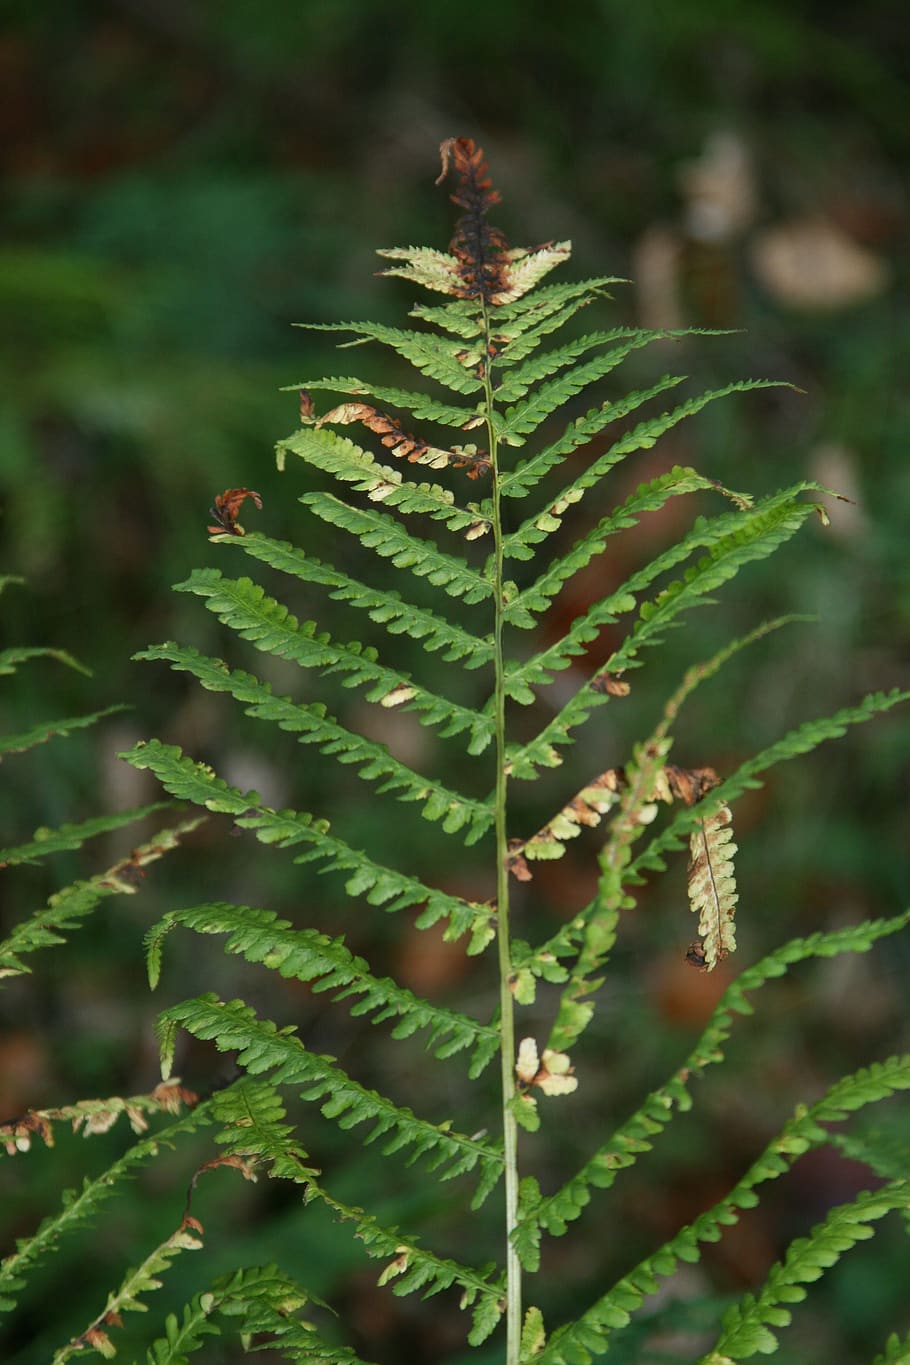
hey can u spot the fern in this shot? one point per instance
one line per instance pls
(435, 505)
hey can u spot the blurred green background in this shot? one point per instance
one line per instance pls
(182, 183)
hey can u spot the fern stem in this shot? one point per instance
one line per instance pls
(506, 1002)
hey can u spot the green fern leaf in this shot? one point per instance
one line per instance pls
(520, 481)
(445, 361)
(247, 609)
(196, 782)
(461, 317)
(636, 1135)
(516, 382)
(83, 1207)
(313, 725)
(76, 902)
(732, 542)
(254, 1114)
(524, 418)
(588, 1335)
(802, 740)
(263, 1047)
(648, 497)
(10, 659)
(896, 1352)
(398, 616)
(47, 841)
(307, 955)
(391, 540)
(49, 729)
(747, 1326)
(349, 463)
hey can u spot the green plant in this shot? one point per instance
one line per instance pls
(484, 345)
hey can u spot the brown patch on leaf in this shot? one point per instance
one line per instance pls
(405, 446)
(225, 509)
(690, 784)
(585, 809)
(609, 684)
(516, 861)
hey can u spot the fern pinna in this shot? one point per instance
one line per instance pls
(495, 379)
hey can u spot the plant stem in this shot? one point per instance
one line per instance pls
(506, 1002)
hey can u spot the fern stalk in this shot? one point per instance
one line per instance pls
(503, 937)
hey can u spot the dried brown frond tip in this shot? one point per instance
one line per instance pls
(482, 251)
(225, 508)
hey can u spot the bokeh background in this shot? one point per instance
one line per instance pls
(184, 182)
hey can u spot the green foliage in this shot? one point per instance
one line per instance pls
(486, 344)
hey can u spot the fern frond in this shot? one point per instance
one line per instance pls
(514, 319)
(434, 632)
(142, 1280)
(520, 481)
(516, 383)
(382, 533)
(636, 1135)
(254, 1114)
(196, 782)
(312, 725)
(747, 1326)
(267, 624)
(254, 1300)
(10, 659)
(588, 1335)
(307, 955)
(349, 463)
(50, 729)
(93, 1116)
(801, 740)
(896, 1352)
(648, 497)
(449, 363)
(422, 406)
(65, 837)
(263, 1047)
(83, 1207)
(525, 417)
(461, 317)
(732, 541)
(65, 908)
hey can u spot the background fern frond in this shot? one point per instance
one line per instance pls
(308, 955)
(66, 908)
(48, 841)
(255, 1301)
(588, 1335)
(83, 1207)
(51, 729)
(634, 1137)
(254, 1115)
(263, 1047)
(11, 658)
(747, 1326)
(93, 1116)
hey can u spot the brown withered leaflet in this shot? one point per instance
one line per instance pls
(225, 509)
